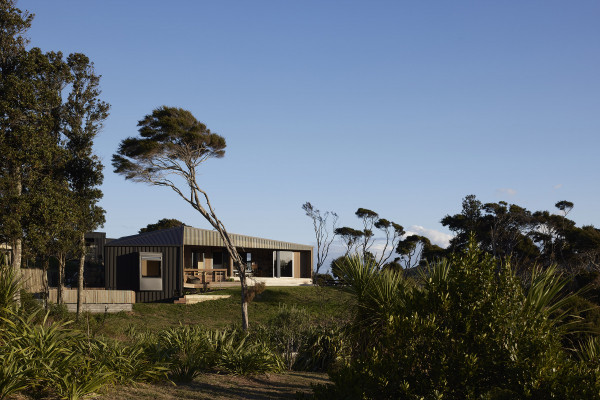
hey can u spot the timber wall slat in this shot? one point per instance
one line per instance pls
(31, 279)
(122, 271)
(93, 296)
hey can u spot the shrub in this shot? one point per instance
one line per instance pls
(128, 363)
(255, 290)
(324, 280)
(188, 351)
(287, 330)
(238, 356)
(468, 330)
(322, 348)
(45, 357)
(185, 350)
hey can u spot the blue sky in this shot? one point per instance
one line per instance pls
(396, 106)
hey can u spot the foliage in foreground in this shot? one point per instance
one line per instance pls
(467, 329)
(189, 351)
(45, 358)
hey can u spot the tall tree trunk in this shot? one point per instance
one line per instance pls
(61, 278)
(244, 287)
(80, 275)
(17, 244)
(46, 289)
(238, 263)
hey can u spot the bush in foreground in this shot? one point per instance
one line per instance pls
(467, 329)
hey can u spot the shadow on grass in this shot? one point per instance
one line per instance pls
(257, 387)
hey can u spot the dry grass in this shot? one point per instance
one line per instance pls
(224, 387)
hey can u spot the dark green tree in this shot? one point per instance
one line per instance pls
(30, 104)
(501, 229)
(466, 330)
(173, 144)
(82, 117)
(164, 223)
(508, 231)
(464, 223)
(48, 174)
(48, 228)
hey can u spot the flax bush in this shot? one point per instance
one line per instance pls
(47, 358)
(321, 349)
(189, 350)
(466, 329)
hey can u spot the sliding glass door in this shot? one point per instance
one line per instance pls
(283, 264)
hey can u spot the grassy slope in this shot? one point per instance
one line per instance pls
(321, 303)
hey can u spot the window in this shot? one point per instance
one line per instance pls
(151, 268)
(197, 260)
(218, 259)
(283, 264)
(151, 271)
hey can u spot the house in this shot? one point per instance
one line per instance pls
(160, 265)
(94, 245)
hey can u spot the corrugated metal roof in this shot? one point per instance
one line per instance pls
(202, 237)
(187, 235)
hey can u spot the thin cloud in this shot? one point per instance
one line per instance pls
(558, 186)
(507, 191)
(440, 238)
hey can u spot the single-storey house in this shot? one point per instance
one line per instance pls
(160, 265)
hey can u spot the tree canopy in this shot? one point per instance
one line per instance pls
(50, 114)
(164, 223)
(171, 144)
(527, 238)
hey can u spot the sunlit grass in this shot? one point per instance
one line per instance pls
(321, 303)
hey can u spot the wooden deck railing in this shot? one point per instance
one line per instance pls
(204, 276)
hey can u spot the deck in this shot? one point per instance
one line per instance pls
(200, 278)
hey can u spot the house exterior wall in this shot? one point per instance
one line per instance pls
(94, 243)
(297, 266)
(176, 246)
(122, 271)
(306, 264)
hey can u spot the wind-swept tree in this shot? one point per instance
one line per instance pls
(368, 219)
(322, 235)
(416, 250)
(349, 237)
(365, 238)
(172, 144)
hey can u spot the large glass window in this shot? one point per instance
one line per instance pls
(151, 268)
(151, 271)
(218, 259)
(283, 264)
(197, 260)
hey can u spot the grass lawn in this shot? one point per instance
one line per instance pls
(224, 387)
(321, 303)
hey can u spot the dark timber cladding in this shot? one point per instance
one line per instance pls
(122, 271)
(152, 263)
